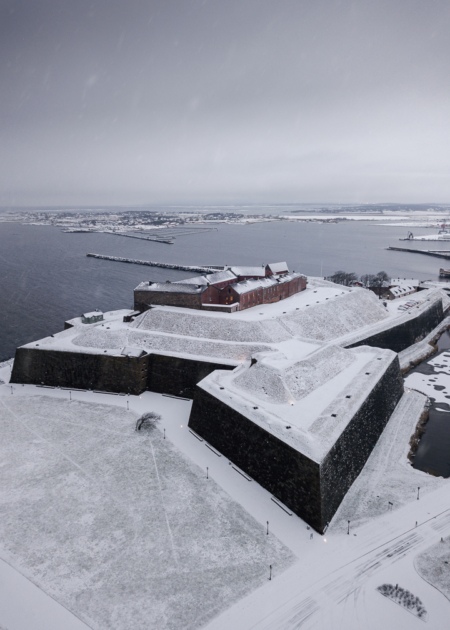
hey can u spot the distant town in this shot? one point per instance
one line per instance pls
(147, 220)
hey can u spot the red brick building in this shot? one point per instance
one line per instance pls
(235, 288)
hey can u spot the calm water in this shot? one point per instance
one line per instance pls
(433, 453)
(46, 278)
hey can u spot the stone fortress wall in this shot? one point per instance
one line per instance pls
(311, 489)
(158, 373)
(407, 333)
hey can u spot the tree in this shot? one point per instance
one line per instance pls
(147, 420)
(343, 277)
(380, 278)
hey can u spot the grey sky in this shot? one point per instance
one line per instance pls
(192, 101)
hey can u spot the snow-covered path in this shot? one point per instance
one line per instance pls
(334, 585)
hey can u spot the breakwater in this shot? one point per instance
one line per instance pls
(426, 252)
(151, 263)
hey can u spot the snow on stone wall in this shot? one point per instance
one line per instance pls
(102, 339)
(265, 383)
(324, 322)
(202, 326)
(297, 381)
(306, 376)
(193, 347)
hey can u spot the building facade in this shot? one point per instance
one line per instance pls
(242, 286)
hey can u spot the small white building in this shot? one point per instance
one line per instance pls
(91, 318)
(399, 282)
(401, 291)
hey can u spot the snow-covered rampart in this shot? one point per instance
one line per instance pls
(404, 330)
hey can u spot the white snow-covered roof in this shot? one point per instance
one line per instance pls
(279, 267)
(404, 282)
(195, 280)
(402, 290)
(92, 314)
(246, 286)
(171, 287)
(211, 278)
(258, 272)
(132, 352)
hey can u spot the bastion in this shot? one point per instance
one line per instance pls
(294, 392)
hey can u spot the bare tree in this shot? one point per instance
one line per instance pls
(343, 277)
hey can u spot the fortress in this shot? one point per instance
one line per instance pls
(234, 288)
(292, 381)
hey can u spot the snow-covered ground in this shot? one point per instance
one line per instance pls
(436, 385)
(83, 460)
(117, 525)
(433, 565)
(422, 349)
(104, 527)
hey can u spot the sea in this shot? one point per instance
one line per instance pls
(46, 277)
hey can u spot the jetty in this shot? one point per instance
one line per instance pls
(425, 252)
(151, 263)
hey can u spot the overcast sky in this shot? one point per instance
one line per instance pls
(222, 101)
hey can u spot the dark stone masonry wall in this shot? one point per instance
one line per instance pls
(81, 371)
(177, 376)
(313, 492)
(144, 299)
(283, 471)
(347, 457)
(153, 372)
(403, 335)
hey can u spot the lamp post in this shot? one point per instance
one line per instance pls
(207, 472)
(270, 571)
(348, 528)
(267, 528)
(418, 489)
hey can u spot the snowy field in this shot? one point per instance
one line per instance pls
(118, 526)
(84, 518)
(434, 566)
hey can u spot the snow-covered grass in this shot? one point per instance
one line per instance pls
(433, 565)
(118, 525)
